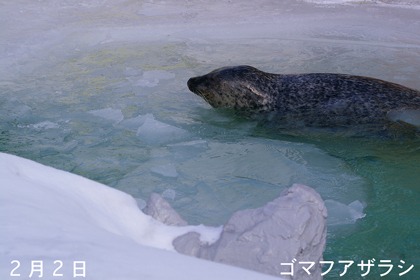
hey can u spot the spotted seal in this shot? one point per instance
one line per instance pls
(315, 99)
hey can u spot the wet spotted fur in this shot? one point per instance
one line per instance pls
(314, 99)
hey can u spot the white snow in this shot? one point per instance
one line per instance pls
(48, 215)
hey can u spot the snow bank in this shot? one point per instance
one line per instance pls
(49, 215)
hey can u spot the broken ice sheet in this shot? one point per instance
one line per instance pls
(109, 114)
(165, 170)
(341, 214)
(152, 78)
(154, 132)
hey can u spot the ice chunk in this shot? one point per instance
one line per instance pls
(187, 150)
(408, 116)
(169, 193)
(109, 114)
(14, 109)
(135, 123)
(128, 71)
(291, 227)
(394, 3)
(341, 214)
(69, 146)
(329, 1)
(266, 162)
(189, 143)
(41, 125)
(141, 203)
(152, 78)
(154, 132)
(166, 170)
(46, 125)
(152, 9)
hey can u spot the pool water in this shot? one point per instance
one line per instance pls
(116, 109)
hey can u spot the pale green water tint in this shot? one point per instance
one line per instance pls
(391, 228)
(392, 223)
(215, 163)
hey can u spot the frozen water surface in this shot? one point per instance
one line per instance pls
(98, 88)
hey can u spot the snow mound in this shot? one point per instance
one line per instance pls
(48, 214)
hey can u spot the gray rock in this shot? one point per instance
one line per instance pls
(289, 230)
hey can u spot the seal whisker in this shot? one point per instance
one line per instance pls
(200, 94)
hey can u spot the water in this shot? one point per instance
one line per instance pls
(99, 89)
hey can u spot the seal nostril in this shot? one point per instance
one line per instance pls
(190, 84)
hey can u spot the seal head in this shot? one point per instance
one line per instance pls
(233, 87)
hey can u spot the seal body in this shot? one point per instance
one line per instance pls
(312, 99)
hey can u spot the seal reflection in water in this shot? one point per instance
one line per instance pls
(308, 99)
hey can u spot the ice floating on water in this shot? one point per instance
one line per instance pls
(397, 3)
(109, 114)
(41, 125)
(187, 150)
(135, 123)
(152, 78)
(169, 193)
(341, 214)
(166, 170)
(149, 9)
(408, 116)
(334, 1)
(154, 132)
(46, 125)
(189, 143)
(13, 109)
